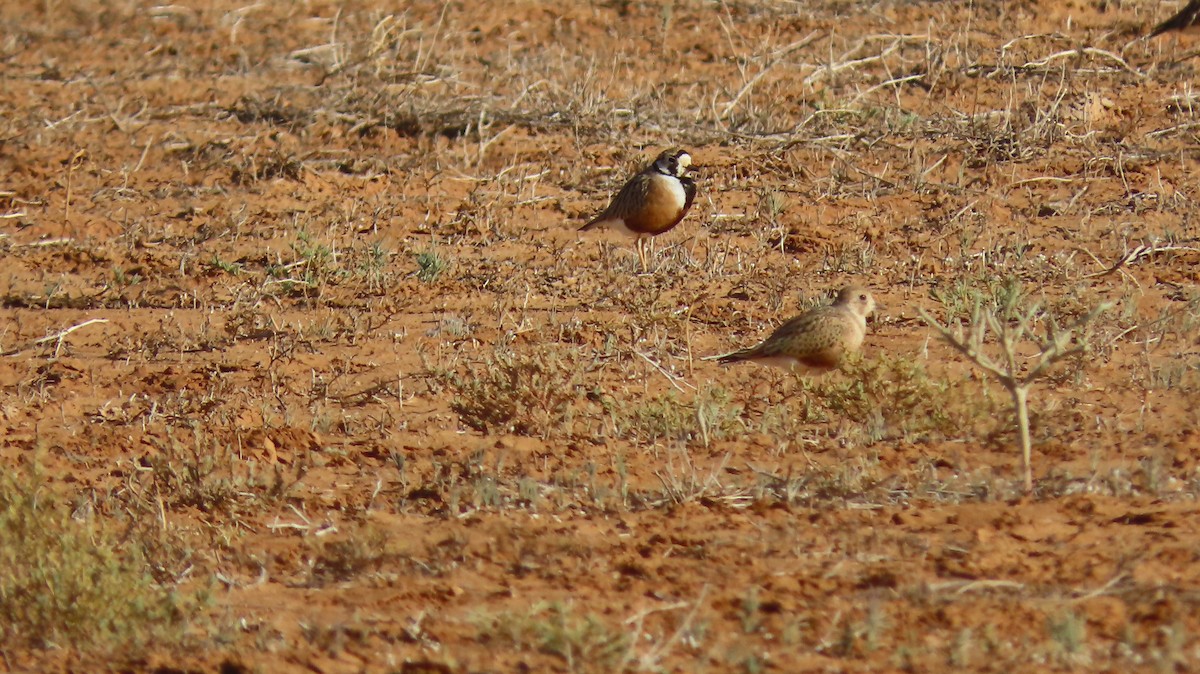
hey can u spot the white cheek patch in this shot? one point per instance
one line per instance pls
(684, 161)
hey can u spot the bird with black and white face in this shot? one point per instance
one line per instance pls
(652, 202)
(817, 340)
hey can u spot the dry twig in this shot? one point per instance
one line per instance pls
(1007, 370)
(58, 337)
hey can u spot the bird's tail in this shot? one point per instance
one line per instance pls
(1185, 18)
(593, 224)
(731, 357)
(1164, 27)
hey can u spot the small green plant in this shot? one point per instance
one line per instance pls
(199, 474)
(772, 204)
(874, 626)
(749, 614)
(364, 550)
(890, 396)
(710, 416)
(1172, 654)
(1069, 634)
(71, 584)
(430, 266)
(123, 279)
(231, 268)
(660, 417)
(962, 648)
(1013, 321)
(374, 265)
(859, 637)
(961, 296)
(317, 258)
(585, 643)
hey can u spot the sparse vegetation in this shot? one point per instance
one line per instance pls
(72, 583)
(1013, 319)
(584, 643)
(363, 550)
(891, 397)
(527, 392)
(294, 308)
(706, 416)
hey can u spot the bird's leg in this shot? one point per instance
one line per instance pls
(641, 251)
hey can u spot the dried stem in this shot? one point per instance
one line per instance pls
(1008, 371)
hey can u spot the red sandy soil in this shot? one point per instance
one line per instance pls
(241, 196)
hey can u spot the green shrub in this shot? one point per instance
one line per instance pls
(71, 584)
(892, 397)
(585, 643)
(709, 416)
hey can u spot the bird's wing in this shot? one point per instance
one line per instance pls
(778, 342)
(807, 332)
(625, 203)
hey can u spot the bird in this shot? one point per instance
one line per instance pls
(652, 202)
(817, 340)
(1184, 19)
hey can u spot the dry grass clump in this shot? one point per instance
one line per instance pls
(74, 584)
(208, 475)
(364, 550)
(523, 392)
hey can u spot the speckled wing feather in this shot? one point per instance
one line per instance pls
(815, 339)
(1186, 18)
(625, 203)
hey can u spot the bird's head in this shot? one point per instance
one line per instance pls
(673, 163)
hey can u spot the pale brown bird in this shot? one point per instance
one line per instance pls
(1184, 19)
(652, 202)
(817, 340)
